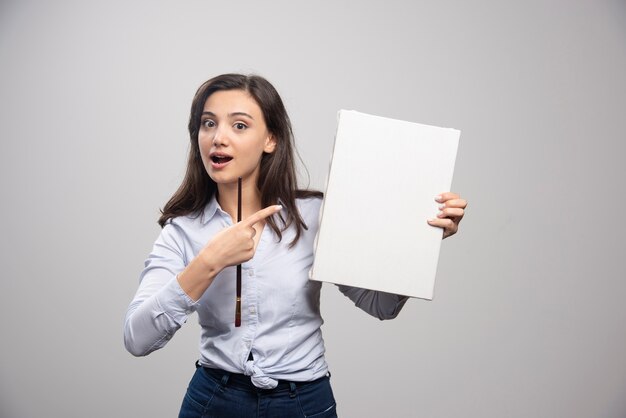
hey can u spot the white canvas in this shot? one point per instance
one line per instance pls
(382, 183)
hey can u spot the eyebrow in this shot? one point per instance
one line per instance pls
(230, 114)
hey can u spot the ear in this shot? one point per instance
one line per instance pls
(270, 144)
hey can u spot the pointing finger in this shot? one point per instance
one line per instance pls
(262, 214)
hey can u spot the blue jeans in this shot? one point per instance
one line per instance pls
(219, 394)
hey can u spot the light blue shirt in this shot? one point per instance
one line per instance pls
(280, 307)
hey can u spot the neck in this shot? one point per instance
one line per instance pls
(250, 198)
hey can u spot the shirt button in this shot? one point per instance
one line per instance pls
(252, 309)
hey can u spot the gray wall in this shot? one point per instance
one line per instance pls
(528, 318)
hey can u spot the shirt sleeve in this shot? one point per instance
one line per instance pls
(160, 306)
(378, 304)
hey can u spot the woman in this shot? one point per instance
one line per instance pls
(273, 365)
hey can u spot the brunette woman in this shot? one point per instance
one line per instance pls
(273, 364)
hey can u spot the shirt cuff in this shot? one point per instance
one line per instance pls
(175, 302)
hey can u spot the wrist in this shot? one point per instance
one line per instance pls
(209, 263)
(196, 278)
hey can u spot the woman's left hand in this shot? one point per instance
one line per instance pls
(451, 211)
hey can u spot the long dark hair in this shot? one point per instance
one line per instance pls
(277, 178)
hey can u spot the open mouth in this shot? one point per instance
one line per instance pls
(220, 159)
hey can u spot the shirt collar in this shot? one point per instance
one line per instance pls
(210, 210)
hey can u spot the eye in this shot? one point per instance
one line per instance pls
(240, 126)
(208, 123)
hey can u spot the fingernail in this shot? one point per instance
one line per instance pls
(438, 197)
(440, 214)
(432, 220)
(442, 206)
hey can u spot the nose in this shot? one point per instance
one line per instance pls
(219, 137)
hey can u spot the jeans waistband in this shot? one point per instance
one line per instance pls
(244, 382)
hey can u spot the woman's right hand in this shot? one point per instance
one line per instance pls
(235, 244)
(231, 246)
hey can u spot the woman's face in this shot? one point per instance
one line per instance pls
(233, 137)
